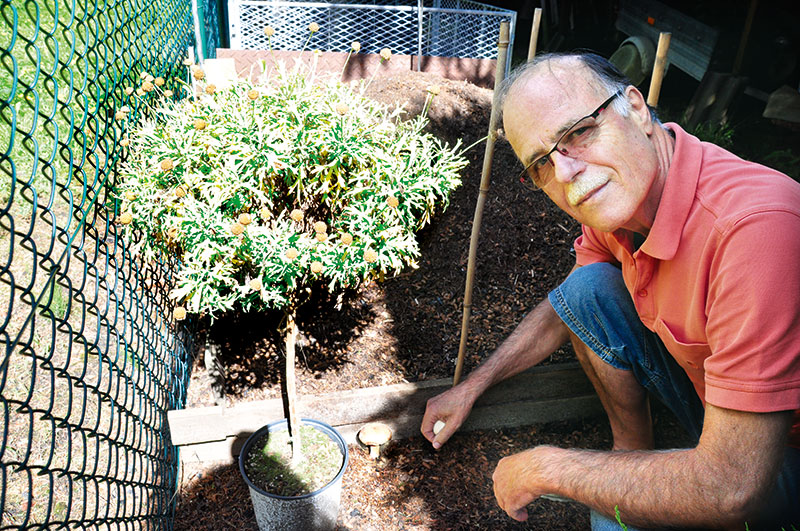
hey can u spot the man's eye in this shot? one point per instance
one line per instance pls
(540, 162)
(580, 132)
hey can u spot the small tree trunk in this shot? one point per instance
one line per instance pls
(291, 389)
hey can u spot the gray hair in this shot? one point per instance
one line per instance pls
(605, 73)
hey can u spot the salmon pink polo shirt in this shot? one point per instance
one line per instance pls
(718, 277)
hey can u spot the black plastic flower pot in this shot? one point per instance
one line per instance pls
(316, 510)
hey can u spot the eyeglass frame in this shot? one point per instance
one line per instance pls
(524, 173)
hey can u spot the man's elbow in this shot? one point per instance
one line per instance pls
(742, 503)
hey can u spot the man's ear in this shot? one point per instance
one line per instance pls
(639, 108)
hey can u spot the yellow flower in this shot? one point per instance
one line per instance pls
(245, 219)
(347, 238)
(370, 256)
(143, 75)
(313, 27)
(386, 54)
(119, 115)
(320, 226)
(252, 94)
(297, 215)
(124, 142)
(147, 86)
(180, 191)
(211, 88)
(265, 213)
(168, 93)
(342, 108)
(149, 78)
(179, 313)
(356, 46)
(392, 201)
(255, 284)
(434, 89)
(128, 90)
(269, 31)
(237, 228)
(140, 92)
(188, 62)
(321, 236)
(316, 267)
(167, 164)
(130, 196)
(159, 81)
(200, 124)
(198, 73)
(126, 218)
(291, 254)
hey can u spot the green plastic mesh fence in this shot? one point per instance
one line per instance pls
(90, 359)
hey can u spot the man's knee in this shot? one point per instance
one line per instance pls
(597, 282)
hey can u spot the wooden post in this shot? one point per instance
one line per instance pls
(658, 68)
(537, 19)
(502, 48)
(748, 24)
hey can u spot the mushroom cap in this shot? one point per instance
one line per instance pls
(375, 434)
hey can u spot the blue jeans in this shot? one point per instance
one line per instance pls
(596, 306)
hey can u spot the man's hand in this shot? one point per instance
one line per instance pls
(451, 407)
(514, 486)
(535, 338)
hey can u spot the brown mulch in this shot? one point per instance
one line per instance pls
(407, 329)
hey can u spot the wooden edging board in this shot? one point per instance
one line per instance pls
(541, 394)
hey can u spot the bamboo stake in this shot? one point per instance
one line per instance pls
(537, 19)
(502, 47)
(658, 68)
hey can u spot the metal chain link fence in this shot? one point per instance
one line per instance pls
(449, 28)
(90, 360)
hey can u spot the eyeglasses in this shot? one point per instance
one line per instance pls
(573, 143)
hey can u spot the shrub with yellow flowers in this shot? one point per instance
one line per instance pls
(262, 189)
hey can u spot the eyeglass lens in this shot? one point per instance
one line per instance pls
(574, 144)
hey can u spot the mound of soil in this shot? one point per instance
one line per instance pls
(408, 327)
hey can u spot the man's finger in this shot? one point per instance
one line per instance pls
(520, 515)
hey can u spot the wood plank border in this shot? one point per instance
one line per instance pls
(541, 394)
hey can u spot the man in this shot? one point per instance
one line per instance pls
(686, 287)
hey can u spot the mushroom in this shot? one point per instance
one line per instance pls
(374, 435)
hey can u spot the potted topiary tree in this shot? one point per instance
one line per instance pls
(266, 188)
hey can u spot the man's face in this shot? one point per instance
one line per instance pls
(606, 187)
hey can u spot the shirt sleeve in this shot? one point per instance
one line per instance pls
(753, 309)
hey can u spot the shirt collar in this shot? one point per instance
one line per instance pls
(677, 197)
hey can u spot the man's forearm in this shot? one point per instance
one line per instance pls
(721, 482)
(650, 488)
(537, 336)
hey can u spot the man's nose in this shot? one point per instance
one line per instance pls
(565, 167)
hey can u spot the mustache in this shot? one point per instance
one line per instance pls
(578, 189)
